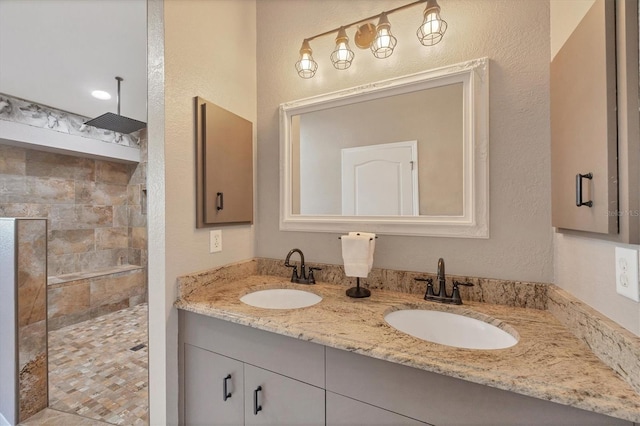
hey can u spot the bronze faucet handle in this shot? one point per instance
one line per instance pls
(294, 274)
(429, 282)
(312, 279)
(455, 296)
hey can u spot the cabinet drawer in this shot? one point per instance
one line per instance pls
(281, 354)
(442, 400)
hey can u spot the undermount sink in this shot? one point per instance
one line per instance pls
(450, 329)
(281, 298)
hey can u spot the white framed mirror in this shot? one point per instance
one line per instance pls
(404, 156)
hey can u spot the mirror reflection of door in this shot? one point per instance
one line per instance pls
(380, 180)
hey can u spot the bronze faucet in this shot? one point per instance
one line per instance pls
(303, 278)
(441, 296)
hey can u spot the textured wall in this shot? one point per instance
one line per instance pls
(514, 34)
(209, 51)
(586, 268)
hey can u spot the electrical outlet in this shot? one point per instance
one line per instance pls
(627, 283)
(215, 241)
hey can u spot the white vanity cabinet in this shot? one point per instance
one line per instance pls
(296, 377)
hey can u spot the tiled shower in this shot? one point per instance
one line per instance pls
(96, 254)
(96, 238)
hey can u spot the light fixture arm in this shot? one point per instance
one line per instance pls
(370, 18)
(377, 38)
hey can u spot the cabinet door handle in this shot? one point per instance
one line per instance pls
(225, 393)
(256, 407)
(579, 201)
(219, 201)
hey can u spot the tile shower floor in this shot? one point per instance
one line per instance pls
(94, 373)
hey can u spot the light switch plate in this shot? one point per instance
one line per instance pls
(627, 283)
(215, 241)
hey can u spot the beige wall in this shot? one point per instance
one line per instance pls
(586, 268)
(209, 51)
(513, 34)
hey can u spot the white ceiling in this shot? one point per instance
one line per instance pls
(55, 52)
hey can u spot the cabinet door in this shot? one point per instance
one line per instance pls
(206, 376)
(224, 166)
(280, 400)
(584, 125)
(349, 412)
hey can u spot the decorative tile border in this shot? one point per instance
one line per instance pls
(30, 113)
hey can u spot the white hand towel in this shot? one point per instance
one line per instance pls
(356, 254)
(372, 245)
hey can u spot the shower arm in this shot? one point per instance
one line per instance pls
(118, 94)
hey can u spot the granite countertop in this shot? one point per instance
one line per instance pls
(548, 362)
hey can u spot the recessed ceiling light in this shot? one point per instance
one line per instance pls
(101, 94)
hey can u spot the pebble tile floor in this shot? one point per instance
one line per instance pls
(94, 373)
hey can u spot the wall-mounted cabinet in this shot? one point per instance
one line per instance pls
(224, 166)
(594, 118)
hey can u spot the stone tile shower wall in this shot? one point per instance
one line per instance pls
(97, 227)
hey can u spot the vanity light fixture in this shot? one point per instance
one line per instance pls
(384, 43)
(342, 55)
(433, 27)
(306, 66)
(368, 36)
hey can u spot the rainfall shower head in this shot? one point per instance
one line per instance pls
(116, 122)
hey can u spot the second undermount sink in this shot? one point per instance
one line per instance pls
(281, 298)
(450, 329)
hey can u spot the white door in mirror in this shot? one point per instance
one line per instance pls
(380, 180)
